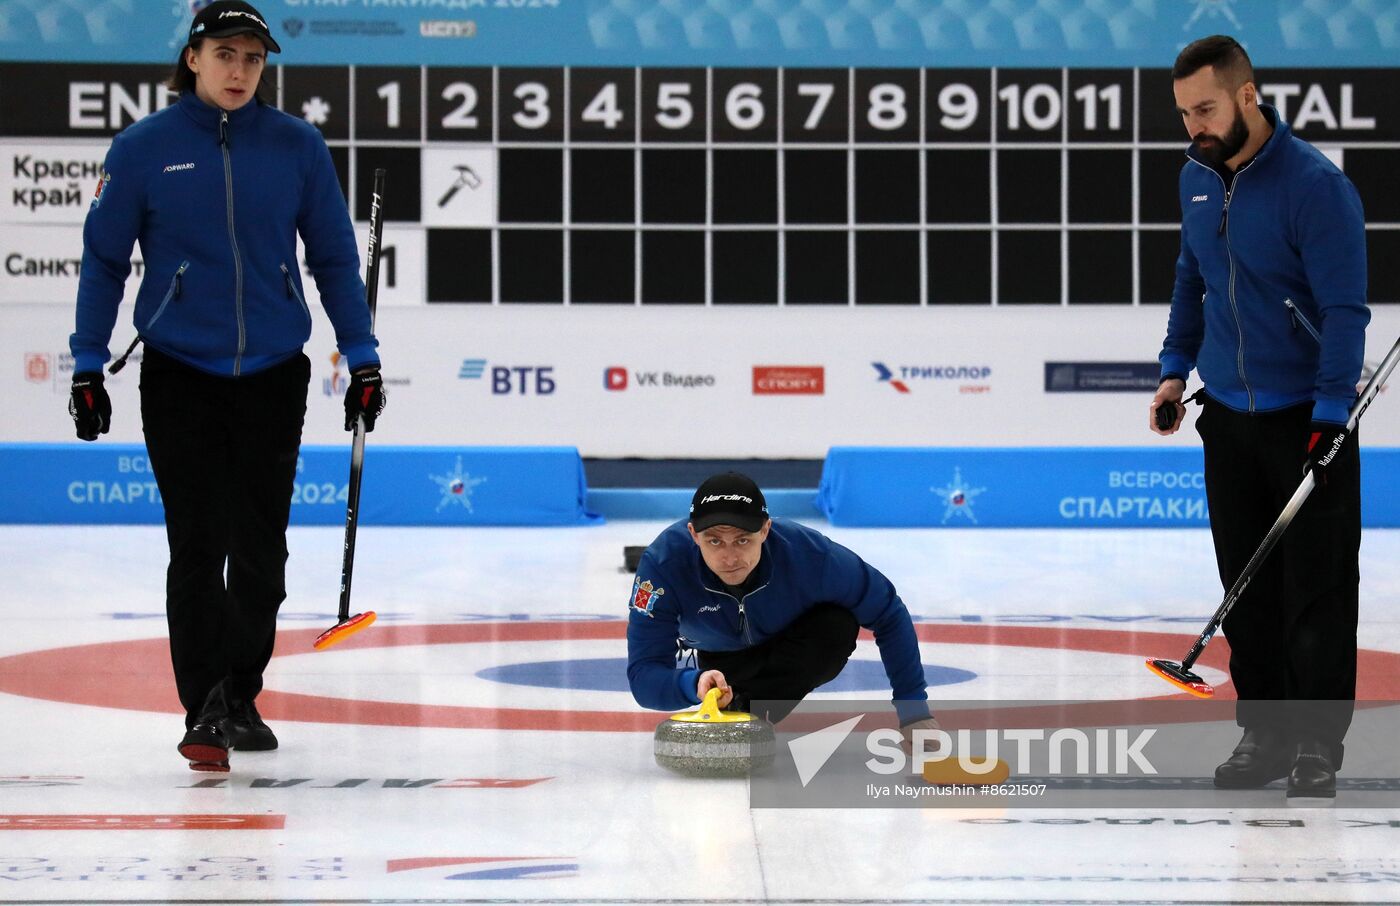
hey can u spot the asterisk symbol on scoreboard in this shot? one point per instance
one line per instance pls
(315, 111)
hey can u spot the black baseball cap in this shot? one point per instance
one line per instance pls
(224, 18)
(728, 499)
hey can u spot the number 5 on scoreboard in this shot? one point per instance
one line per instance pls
(673, 105)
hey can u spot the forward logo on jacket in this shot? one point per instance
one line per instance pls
(644, 596)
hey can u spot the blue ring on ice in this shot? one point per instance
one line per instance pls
(609, 674)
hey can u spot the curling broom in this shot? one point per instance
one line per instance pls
(346, 625)
(1179, 674)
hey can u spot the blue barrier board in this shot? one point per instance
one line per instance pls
(1119, 487)
(114, 484)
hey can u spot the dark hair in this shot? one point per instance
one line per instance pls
(182, 78)
(1221, 52)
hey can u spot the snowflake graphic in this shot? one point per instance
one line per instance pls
(456, 487)
(315, 111)
(1213, 9)
(957, 498)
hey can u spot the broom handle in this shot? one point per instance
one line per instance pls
(357, 444)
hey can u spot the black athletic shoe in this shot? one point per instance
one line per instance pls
(1262, 756)
(246, 730)
(206, 748)
(1313, 775)
(204, 744)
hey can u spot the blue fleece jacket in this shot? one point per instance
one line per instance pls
(1290, 228)
(216, 201)
(677, 596)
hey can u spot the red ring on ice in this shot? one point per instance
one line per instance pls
(134, 675)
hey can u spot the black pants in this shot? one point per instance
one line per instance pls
(810, 651)
(1293, 632)
(224, 452)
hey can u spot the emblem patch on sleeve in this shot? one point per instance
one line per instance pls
(644, 596)
(101, 185)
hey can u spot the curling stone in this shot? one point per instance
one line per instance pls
(712, 743)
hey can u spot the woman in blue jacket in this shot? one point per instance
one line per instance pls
(216, 188)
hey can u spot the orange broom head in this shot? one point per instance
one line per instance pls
(342, 631)
(1181, 678)
(949, 771)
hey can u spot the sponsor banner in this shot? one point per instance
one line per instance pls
(114, 484)
(48, 183)
(1102, 377)
(141, 822)
(789, 380)
(618, 378)
(1046, 488)
(539, 32)
(623, 381)
(39, 265)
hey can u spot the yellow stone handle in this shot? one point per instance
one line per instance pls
(709, 708)
(709, 712)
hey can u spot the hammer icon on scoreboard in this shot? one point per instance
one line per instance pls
(466, 176)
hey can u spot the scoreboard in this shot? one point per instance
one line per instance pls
(759, 186)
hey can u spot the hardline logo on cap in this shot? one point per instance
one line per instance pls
(238, 12)
(714, 497)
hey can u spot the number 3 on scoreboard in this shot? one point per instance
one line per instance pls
(534, 105)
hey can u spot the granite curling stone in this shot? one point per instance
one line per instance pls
(714, 743)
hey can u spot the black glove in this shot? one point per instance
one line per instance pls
(90, 405)
(1325, 443)
(364, 398)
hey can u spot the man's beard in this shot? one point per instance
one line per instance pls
(1217, 150)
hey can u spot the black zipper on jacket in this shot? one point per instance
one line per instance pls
(233, 241)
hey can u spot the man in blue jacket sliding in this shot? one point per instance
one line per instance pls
(1270, 307)
(771, 608)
